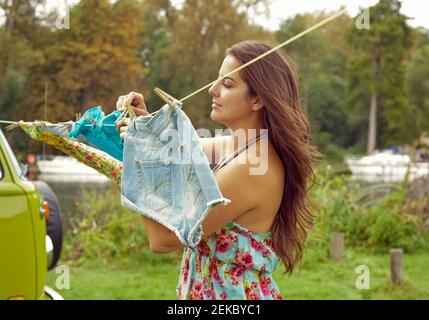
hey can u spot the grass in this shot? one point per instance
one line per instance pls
(318, 278)
(336, 280)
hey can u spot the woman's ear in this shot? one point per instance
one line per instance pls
(257, 103)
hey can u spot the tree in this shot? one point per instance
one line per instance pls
(321, 57)
(22, 25)
(377, 71)
(418, 85)
(91, 63)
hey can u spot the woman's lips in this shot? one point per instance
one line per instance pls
(216, 105)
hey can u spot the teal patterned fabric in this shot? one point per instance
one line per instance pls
(234, 263)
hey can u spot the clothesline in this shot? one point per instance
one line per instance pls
(58, 124)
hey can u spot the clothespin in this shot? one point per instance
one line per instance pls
(90, 118)
(12, 126)
(122, 115)
(130, 110)
(166, 98)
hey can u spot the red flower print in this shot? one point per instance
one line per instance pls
(223, 295)
(197, 291)
(276, 294)
(203, 248)
(185, 270)
(269, 242)
(198, 286)
(236, 272)
(210, 293)
(256, 245)
(265, 253)
(264, 283)
(243, 259)
(214, 271)
(251, 295)
(222, 244)
(233, 238)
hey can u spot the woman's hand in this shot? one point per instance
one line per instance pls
(122, 127)
(137, 103)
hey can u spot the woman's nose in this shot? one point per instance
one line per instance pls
(213, 90)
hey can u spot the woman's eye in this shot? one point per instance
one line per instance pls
(226, 85)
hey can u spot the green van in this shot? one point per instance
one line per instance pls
(30, 231)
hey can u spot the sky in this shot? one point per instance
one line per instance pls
(282, 9)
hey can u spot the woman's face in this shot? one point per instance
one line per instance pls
(231, 100)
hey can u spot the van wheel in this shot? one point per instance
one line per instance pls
(54, 227)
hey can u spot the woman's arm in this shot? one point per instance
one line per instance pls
(236, 184)
(161, 239)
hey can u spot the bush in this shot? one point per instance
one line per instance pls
(104, 230)
(388, 223)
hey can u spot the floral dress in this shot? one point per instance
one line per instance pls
(234, 263)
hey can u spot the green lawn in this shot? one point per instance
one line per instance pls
(318, 278)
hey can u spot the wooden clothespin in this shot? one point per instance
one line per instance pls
(130, 110)
(12, 126)
(166, 98)
(122, 115)
(91, 119)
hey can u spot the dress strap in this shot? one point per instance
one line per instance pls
(228, 158)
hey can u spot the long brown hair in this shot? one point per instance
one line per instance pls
(274, 80)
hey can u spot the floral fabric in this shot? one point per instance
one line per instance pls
(97, 159)
(234, 263)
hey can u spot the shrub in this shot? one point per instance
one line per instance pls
(387, 223)
(104, 230)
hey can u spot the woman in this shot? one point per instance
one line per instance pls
(268, 218)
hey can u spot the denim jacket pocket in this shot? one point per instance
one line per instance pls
(154, 180)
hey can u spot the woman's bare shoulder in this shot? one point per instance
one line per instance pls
(263, 161)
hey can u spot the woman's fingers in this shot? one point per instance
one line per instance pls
(123, 130)
(140, 112)
(122, 122)
(136, 100)
(120, 103)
